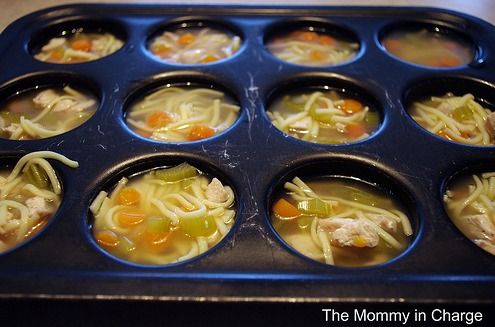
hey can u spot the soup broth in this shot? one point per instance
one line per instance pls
(310, 48)
(164, 216)
(469, 203)
(340, 221)
(456, 118)
(40, 114)
(79, 47)
(325, 117)
(429, 49)
(181, 114)
(195, 45)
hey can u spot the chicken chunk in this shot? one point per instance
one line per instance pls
(8, 223)
(350, 232)
(12, 129)
(37, 206)
(43, 98)
(64, 105)
(490, 123)
(486, 245)
(54, 43)
(384, 222)
(481, 227)
(215, 191)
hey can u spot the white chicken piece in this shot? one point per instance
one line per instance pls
(215, 191)
(54, 43)
(384, 222)
(37, 206)
(64, 105)
(44, 98)
(12, 129)
(481, 227)
(8, 223)
(350, 232)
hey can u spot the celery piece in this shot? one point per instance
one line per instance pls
(371, 120)
(10, 118)
(194, 227)
(314, 207)
(177, 173)
(462, 113)
(37, 176)
(158, 224)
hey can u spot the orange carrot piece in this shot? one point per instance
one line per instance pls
(285, 209)
(317, 55)
(449, 61)
(128, 196)
(158, 119)
(326, 40)
(81, 45)
(355, 130)
(130, 217)
(351, 106)
(209, 58)
(199, 132)
(186, 39)
(57, 54)
(107, 238)
(155, 241)
(161, 50)
(306, 36)
(393, 45)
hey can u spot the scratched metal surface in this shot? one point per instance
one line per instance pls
(251, 263)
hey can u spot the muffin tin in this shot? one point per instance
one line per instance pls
(251, 263)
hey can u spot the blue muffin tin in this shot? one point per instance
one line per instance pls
(251, 263)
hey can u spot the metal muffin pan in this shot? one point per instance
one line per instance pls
(251, 263)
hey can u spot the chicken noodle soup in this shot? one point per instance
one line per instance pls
(179, 114)
(79, 47)
(323, 117)
(310, 48)
(456, 118)
(164, 216)
(340, 221)
(470, 204)
(30, 194)
(195, 45)
(428, 48)
(40, 114)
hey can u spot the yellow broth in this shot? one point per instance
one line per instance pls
(429, 49)
(297, 231)
(326, 117)
(38, 114)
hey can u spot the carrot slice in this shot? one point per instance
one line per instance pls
(107, 238)
(317, 55)
(199, 132)
(209, 58)
(285, 209)
(186, 39)
(355, 130)
(393, 45)
(162, 50)
(130, 217)
(57, 54)
(351, 106)
(128, 196)
(81, 45)
(158, 119)
(326, 40)
(306, 36)
(155, 241)
(449, 61)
